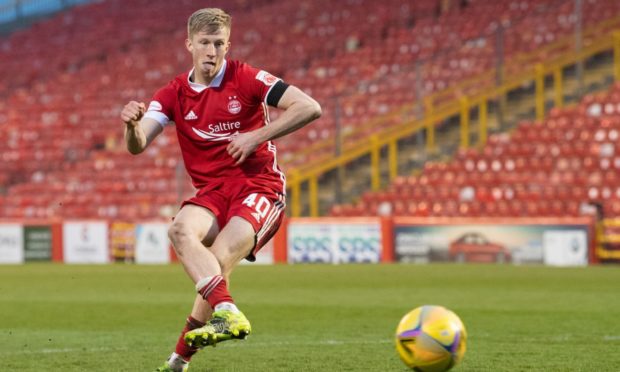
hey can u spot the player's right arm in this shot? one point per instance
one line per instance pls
(140, 131)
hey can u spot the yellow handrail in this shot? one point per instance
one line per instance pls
(322, 146)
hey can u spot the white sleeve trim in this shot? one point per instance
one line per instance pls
(158, 116)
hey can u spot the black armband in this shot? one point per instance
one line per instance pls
(276, 93)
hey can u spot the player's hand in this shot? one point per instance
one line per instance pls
(241, 146)
(132, 113)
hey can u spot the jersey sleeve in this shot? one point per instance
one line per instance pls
(258, 83)
(161, 108)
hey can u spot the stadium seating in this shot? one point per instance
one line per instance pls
(542, 169)
(61, 95)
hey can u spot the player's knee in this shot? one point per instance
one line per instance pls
(179, 234)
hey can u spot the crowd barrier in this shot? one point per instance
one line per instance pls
(333, 240)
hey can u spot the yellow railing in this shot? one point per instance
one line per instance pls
(326, 146)
(433, 114)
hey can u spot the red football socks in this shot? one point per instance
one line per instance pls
(182, 348)
(215, 290)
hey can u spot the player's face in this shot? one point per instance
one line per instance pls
(208, 51)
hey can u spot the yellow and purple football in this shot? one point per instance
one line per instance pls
(431, 339)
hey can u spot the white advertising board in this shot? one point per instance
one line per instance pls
(565, 248)
(85, 242)
(152, 244)
(343, 241)
(11, 244)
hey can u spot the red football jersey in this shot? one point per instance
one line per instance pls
(207, 117)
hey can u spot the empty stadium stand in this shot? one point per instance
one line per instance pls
(542, 169)
(64, 80)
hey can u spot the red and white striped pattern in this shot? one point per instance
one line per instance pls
(272, 218)
(206, 285)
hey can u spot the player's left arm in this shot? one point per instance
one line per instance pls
(299, 110)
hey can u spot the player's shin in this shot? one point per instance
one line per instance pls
(180, 358)
(182, 349)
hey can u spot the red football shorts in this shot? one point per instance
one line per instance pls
(252, 200)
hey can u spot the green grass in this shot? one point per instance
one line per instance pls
(309, 318)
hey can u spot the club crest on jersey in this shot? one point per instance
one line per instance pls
(234, 106)
(266, 78)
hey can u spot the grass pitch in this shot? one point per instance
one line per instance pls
(309, 317)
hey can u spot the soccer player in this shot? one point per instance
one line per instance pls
(222, 123)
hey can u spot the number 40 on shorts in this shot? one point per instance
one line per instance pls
(261, 206)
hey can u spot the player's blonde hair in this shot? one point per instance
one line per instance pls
(209, 20)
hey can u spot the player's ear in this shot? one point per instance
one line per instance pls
(188, 45)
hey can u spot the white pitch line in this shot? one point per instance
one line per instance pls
(65, 350)
(232, 344)
(257, 344)
(313, 343)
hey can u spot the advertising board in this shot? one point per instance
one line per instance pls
(85, 242)
(11, 244)
(334, 241)
(515, 242)
(152, 244)
(37, 243)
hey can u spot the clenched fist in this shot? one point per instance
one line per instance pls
(132, 113)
